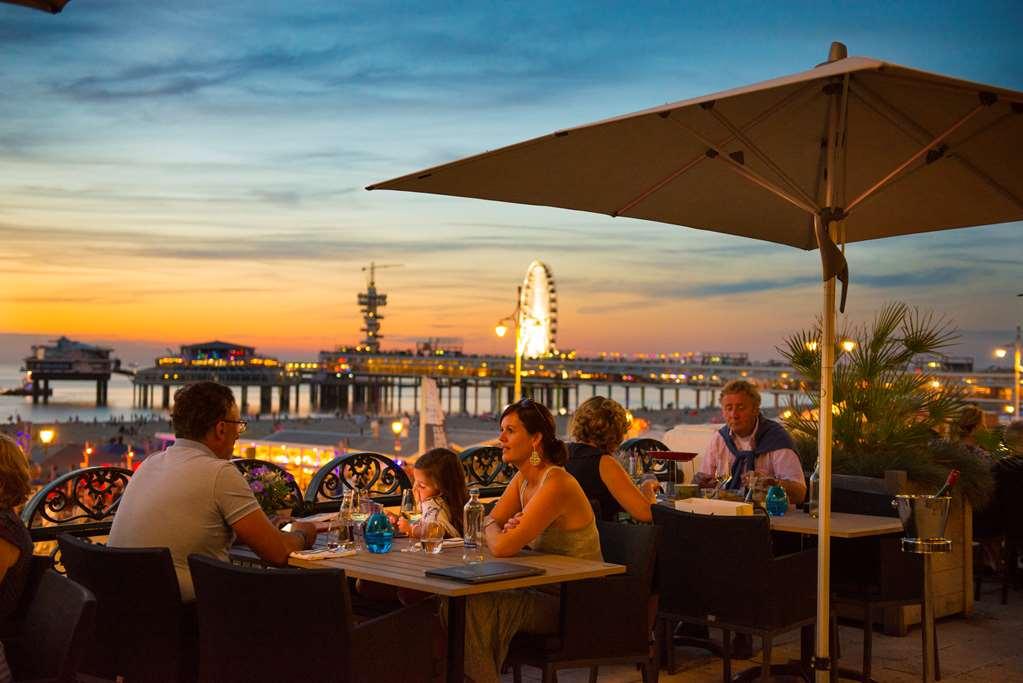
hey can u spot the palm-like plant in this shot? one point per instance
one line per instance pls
(886, 416)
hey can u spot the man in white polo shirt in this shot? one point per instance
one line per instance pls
(748, 442)
(191, 499)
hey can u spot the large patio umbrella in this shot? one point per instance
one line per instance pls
(854, 149)
(51, 6)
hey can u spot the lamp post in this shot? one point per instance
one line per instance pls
(46, 437)
(502, 328)
(396, 429)
(1017, 362)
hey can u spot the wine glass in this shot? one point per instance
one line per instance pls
(412, 513)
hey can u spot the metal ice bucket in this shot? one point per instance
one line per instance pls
(923, 516)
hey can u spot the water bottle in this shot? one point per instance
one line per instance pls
(777, 501)
(472, 528)
(814, 497)
(379, 533)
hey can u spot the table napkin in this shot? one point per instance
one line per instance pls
(316, 554)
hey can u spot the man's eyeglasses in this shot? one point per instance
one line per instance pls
(242, 425)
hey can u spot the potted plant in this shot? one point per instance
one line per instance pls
(889, 416)
(273, 490)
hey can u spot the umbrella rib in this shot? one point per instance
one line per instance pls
(767, 113)
(656, 187)
(760, 154)
(920, 135)
(714, 151)
(919, 153)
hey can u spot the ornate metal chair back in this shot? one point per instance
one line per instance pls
(647, 449)
(81, 503)
(382, 477)
(483, 467)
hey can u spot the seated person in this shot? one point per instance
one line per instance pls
(191, 499)
(439, 486)
(543, 507)
(750, 442)
(598, 426)
(15, 541)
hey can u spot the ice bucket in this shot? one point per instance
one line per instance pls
(923, 517)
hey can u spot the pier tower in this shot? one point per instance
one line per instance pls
(371, 302)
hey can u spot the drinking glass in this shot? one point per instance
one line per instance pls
(433, 537)
(340, 533)
(412, 513)
(361, 510)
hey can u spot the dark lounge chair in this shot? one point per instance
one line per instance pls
(721, 572)
(143, 631)
(56, 633)
(603, 621)
(259, 625)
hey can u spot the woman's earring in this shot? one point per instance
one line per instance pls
(534, 458)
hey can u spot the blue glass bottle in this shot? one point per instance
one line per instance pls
(776, 502)
(379, 533)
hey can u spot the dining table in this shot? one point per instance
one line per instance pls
(843, 524)
(408, 570)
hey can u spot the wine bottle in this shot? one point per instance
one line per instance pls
(953, 477)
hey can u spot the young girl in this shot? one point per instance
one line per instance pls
(439, 486)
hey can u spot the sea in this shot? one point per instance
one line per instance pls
(78, 399)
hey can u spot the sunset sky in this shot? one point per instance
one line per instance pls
(176, 172)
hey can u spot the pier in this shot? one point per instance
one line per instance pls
(68, 360)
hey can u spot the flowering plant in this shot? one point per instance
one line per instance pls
(273, 489)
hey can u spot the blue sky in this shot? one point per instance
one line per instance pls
(195, 170)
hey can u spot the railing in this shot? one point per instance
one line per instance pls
(382, 477)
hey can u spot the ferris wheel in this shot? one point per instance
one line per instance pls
(538, 311)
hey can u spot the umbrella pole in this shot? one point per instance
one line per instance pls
(823, 663)
(836, 120)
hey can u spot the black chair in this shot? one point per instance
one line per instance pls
(721, 572)
(870, 574)
(381, 477)
(999, 526)
(138, 602)
(296, 624)
(603, 621)
(56, 634)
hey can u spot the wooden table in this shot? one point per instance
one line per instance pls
(843, 524)
(406, 570)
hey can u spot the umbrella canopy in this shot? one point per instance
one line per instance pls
(854, 149)
(51, 6)
(714, 162)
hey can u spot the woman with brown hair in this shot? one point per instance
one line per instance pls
(544, 508)
(15, 541)
(598, 427)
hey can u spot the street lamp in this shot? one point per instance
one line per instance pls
(46, 437)
(1016, 363)
(501, 329)
(396, 429)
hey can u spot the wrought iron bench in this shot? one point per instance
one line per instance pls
(382, 477)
